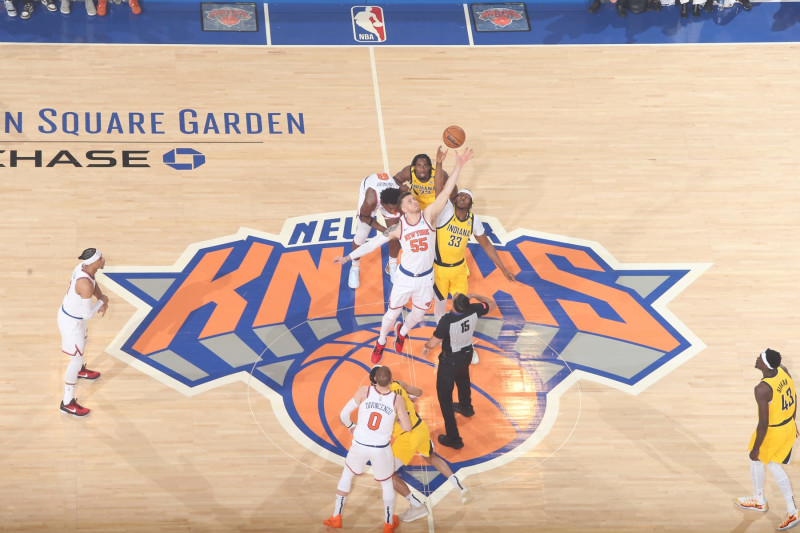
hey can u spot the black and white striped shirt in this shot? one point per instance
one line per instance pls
(456, 329)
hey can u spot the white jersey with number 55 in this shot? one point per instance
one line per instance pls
(419, 245)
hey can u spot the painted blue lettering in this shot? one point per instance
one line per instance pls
(304, 230)
(155, 123)
(114, 123)
(272, 123)
(191, 123)
(43, 115)
(294, 122)
(211, 124)
(250, 128)
(232, 122)
(9, 122)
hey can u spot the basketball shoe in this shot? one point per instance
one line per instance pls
(334, 521)
(90, 9)
(377, 353)
(102, 5)
(10, 9)
(136, 9)
(466, 496)
(353, 278)
(789, 522)
(413, 513)
(399, 338)
(748, 502)
(72, 408)
(389, 528)
(85, 373)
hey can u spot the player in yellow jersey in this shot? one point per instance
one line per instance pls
(421, 179)
(455, 225)
(407, 443)
(773, 439)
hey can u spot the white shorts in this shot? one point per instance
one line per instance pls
(74, 334)
(418, 290)
(381, 459)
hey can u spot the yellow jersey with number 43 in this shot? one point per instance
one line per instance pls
(782, 406)
(782, 430)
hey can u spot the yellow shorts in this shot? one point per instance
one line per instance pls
(450, 280)
(407, 444)
(777, 445)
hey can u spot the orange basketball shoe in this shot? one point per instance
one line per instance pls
(748, 502)
(389, 528)
(102, 5)
(135, 7)
(334, 522)
(789, 522)
(399, 339)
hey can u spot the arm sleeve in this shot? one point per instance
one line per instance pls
(372, 244)
(344, 416)
(87, 311)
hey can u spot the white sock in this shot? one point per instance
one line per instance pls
(785, 485)
(388, 500)
(392, 260)
(71, 377)
(414, 501)
(69, 392)
(757, 475)
(355, 263)
(456, 483)
(339, 507)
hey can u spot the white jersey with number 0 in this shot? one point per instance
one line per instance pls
(376, 417)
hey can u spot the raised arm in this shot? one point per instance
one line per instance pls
(433, 210)
(441, 175)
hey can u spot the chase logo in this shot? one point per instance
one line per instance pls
(275, 312)
(184, 159)
(368, 24)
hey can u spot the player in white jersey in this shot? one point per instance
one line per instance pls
(73, 317)
(378, 194)
(378, 407)
(414, 280)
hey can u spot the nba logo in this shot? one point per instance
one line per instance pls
(368, 25)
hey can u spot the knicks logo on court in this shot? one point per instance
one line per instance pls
(276, 312)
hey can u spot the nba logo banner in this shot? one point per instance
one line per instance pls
(368, 24)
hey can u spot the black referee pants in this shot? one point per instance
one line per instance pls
(453, 372)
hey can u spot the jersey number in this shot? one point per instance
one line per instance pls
(374, 421)
(787, 400)
(465, 326)
(418, 245)
(455, 241)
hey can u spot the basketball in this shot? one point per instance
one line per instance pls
(454, 136)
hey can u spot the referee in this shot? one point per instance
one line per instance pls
(454, 332)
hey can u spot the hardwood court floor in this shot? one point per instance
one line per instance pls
(680, 154)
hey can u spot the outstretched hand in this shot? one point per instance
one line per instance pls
(338, 260)
(441, 154)
(463, 157)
